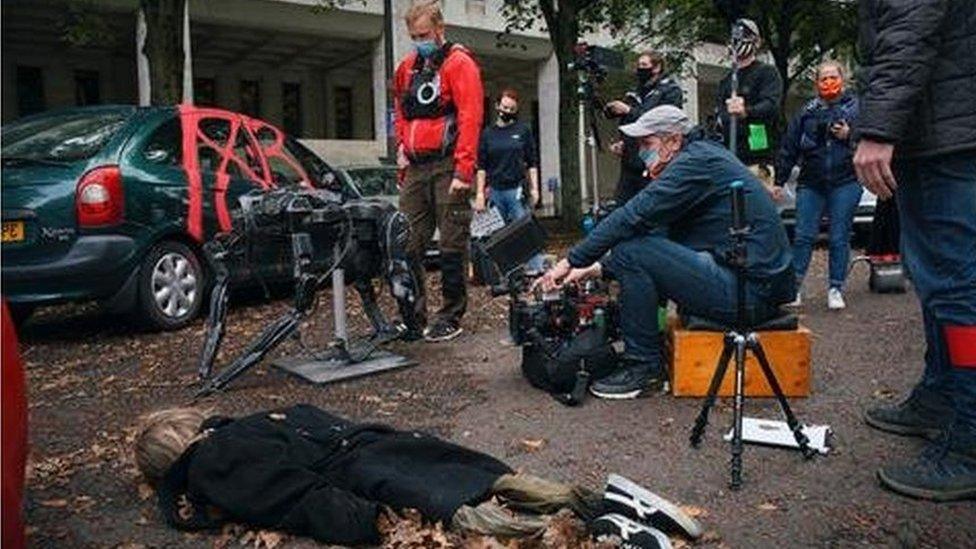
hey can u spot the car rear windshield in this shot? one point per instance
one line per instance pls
(64, 137)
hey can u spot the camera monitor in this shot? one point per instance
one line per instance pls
(515, 243)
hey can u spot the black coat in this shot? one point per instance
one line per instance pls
(761, 88)
(310, 473)
(664, 91)
(920, 70)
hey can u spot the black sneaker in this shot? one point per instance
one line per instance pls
(628, 382)
(924, 413)
(442, 330)
(632, 534)
(625, 497)
(941, 473)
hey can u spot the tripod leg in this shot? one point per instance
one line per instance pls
(272, 336)
(739, 400)
(720, 368)
(794, 424)
(215, 326)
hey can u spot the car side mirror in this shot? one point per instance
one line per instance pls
(158, 156)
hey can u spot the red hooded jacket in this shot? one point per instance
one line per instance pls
(460, 86)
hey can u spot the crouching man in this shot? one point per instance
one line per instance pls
(671, 241)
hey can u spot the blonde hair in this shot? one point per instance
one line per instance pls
(829, 63)
(163, 436)
(425, 8)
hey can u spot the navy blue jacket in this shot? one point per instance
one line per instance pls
(824, 160)
(691, 202)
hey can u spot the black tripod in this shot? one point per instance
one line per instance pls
(739, 340)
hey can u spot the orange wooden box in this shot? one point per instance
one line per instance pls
(694, 355)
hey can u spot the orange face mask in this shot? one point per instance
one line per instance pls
(830, 87)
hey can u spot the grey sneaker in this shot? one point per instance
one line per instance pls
(943, 472)
(924, 413)
(628, 382)
(442, 330)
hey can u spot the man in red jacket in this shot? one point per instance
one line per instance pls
(439, 109)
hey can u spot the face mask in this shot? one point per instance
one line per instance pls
(644, 75)
(745, 48)
(830, 88)
(507, 116)
(425, 48)
(648, 156)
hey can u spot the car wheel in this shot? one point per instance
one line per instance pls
(171, 286)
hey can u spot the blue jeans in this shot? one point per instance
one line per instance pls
(652, 267)
(937, 210)
(840, 203)
(511, 206)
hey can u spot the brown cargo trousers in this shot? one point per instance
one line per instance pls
(426, 202)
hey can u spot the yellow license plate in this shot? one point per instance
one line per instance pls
(13, 231)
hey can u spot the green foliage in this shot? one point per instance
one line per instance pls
(82, 26)
(798, 33)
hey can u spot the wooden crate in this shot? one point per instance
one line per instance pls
(694, 355)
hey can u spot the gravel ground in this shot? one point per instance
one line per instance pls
(91, 376)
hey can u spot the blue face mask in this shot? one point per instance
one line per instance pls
(648, 156)
(425, 48)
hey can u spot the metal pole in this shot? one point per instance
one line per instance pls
(391, 143)
(339, 305)
(582, 153)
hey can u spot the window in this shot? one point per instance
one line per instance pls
(205, 92)
(165, 145)
(291, 108)
(343, 113)
(87, 88)
(62, 137)
(246, 150)
(322, 176)
(251, 98)
(30, 90)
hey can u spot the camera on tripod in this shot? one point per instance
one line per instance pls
(592, 65)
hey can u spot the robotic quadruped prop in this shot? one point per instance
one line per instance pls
(353, 241)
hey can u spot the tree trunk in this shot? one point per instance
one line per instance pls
(564, 42)
(164, 49)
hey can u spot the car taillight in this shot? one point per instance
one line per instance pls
(99, 198)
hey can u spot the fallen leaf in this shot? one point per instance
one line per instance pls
(884, 394)
(55, 503)
(145, 491)
(532, 444)
(693, 511)
(768, 506)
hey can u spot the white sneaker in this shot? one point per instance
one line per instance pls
(835, 299)
(796, 302)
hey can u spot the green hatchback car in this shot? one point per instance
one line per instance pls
(113, 203)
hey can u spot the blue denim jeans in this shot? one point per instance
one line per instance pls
(511, 206)
(652, 267)
(840, 203)
(937, 210)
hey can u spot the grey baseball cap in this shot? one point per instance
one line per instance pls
(659, 120)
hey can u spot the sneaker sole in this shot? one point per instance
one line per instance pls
(691, 526)
(903, 430)
(441, 339)
(623, 528)
(922, 493)
(617, 396)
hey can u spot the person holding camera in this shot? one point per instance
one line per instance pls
(818, 139)
(755, 104)
(439, 103)
(672, 240)
(917, 140)
(507, 164)
(654, 87)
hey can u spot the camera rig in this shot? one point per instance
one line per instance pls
(354, 242)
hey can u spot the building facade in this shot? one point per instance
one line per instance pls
(317, 72)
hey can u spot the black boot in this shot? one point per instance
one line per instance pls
(925, 413)
(945, 471)
(454, 289)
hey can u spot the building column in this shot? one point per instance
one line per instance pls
(689, 84)
(379, 93)
(187, 56)
(548, 95)
(142, 62)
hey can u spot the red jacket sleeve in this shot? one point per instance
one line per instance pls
(463, 77)
(400, 83)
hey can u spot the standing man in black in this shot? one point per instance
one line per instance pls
(755, 104)
(654, 88)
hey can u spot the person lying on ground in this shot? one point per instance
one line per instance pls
(310, 473)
